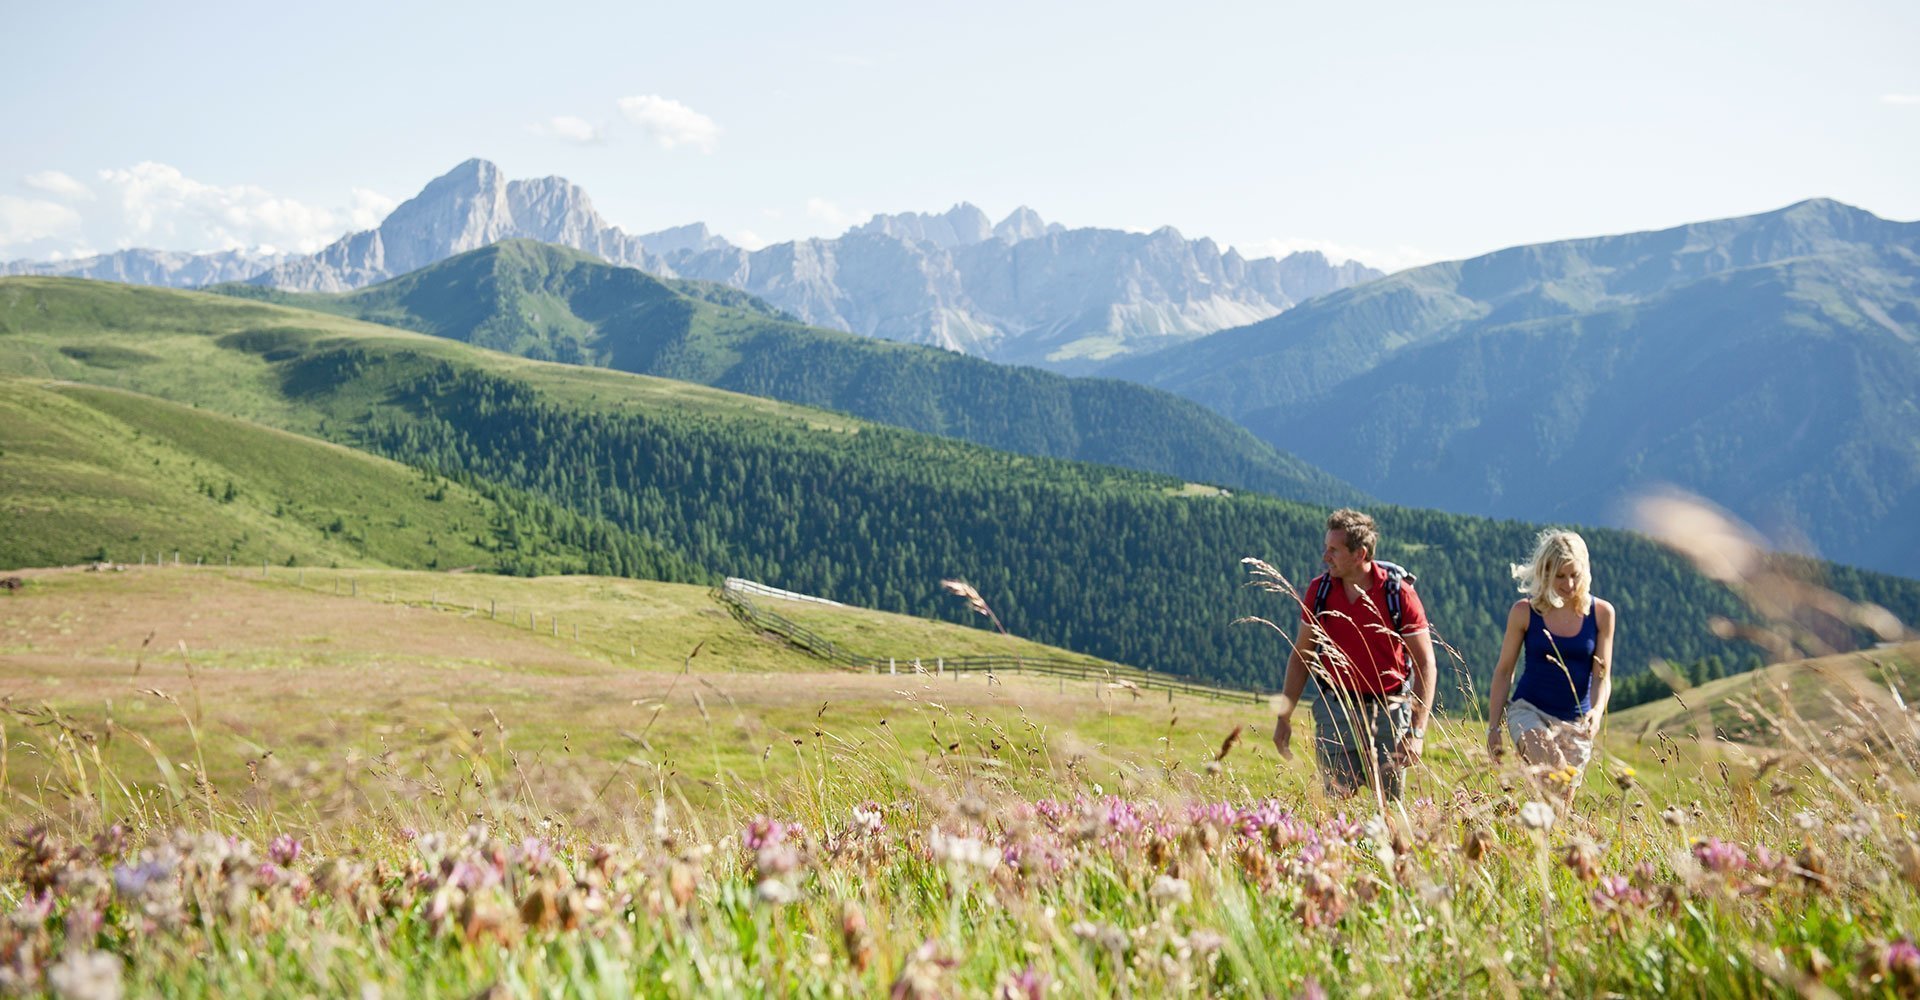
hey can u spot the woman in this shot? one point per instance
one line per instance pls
(1567, 636)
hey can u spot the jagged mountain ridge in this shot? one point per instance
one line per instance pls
(166, 268)
(1022, 290)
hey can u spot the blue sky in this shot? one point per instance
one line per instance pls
(1392, 133)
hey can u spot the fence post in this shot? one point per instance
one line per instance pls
(263, 567)
(176, 558)
(891, 667)
(490, 609)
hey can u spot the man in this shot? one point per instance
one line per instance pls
(1374, 684)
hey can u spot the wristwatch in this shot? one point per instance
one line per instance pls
(1417, 732)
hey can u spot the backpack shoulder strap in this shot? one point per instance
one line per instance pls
(1322, 586)
(1397, 576)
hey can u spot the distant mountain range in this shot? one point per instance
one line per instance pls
(1023, 290)
(554, 304)
(1770, 363)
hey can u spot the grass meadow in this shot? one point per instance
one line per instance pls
(411, 784)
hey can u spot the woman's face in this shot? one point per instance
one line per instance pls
(1566, 581)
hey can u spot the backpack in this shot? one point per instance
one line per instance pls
(1396, 575)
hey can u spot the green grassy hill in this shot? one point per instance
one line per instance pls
(1809, 696)
(1128, 566)
(89, 473)
(552, 303)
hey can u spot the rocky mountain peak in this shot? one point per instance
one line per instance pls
(960, 226)
(1022, 223)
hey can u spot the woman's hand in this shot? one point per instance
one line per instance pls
(1495, 744)
(1589, 724)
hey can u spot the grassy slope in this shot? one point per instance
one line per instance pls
(96, 473)
(219, 353)
(1814, 691)
(86, 471)
(328, 666)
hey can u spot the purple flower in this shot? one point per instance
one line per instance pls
(534, 853)
(1720, 856)
(763, 832)
(132, 881)
(284, 850)
(1027, 984)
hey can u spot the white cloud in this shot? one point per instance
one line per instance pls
(1900, 98)
(368, 208)
(1391, 259)
(154, 205)
(825, 211)
(570, 128)
(34, 225)
(671, 123)
(747, 239)
(60, 185)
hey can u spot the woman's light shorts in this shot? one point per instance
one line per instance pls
(1544, 739)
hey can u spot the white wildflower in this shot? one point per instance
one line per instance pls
(1169, 890)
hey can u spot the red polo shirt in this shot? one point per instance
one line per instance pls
(1374, 660)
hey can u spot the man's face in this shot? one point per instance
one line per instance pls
(1340, 560)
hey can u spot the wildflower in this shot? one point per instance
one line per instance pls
(922, 974)
(284, 850)
(1537, 816)
(1900, 962)
(1477, 844)
(963, 853)
(763, 831)
(1169, 890)
(133, 881)
(869, 818)
(776, 892)
(1623, 777)
(1205, 942)
(1672, 816)
(1615, 891)
(1719, 856)
(534, 853)
(1027, 984)
(86, 975)
(1583, 859)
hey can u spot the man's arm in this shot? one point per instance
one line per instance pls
(1424, 680)
(1291, 690)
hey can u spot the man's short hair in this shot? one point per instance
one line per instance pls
(1360, 529)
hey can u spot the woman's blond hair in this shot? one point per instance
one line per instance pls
(1553, 549)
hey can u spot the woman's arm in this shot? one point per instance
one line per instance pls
(1600, 686)
(1503, 675)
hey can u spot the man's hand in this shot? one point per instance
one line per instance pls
(1283, 734)
(1496, 742)
(1589, 724)
(1407, 753)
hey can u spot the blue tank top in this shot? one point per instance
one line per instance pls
(1559, 669)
